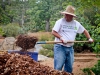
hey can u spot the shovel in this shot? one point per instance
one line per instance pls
(54, 42)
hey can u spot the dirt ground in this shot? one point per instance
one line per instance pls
(77, 67)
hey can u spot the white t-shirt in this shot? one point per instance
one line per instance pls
(67, 30)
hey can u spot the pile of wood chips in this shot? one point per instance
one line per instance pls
(16, 64)
(26, 42)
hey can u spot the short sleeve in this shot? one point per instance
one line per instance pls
(80, 29)
(57, 26)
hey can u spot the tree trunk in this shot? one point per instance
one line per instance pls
(47, 28)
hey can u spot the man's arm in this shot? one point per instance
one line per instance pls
(56, 34)
(59, 36)
(86, 33)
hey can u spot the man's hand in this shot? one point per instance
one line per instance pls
(91, 40)
(63, 40)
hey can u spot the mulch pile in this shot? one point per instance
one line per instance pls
(26, 42)
(16, 64)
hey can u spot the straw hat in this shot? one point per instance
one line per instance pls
(69, 10)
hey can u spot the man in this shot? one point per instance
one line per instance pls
(65, 29)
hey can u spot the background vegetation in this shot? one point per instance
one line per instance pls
(95, 69)
(31, 16)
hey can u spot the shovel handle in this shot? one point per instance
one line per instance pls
(54, 42)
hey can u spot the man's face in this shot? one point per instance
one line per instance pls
(68, 17)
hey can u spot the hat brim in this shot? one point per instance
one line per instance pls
(68, 13)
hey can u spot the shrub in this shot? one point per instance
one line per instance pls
(48, 53)
(47, 50)
(11, 29)
(48, 46)
(1, 31)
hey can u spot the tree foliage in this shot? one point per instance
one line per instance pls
(40, 15)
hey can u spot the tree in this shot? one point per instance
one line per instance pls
(4, 13)
(13, 11)
(44, 11)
